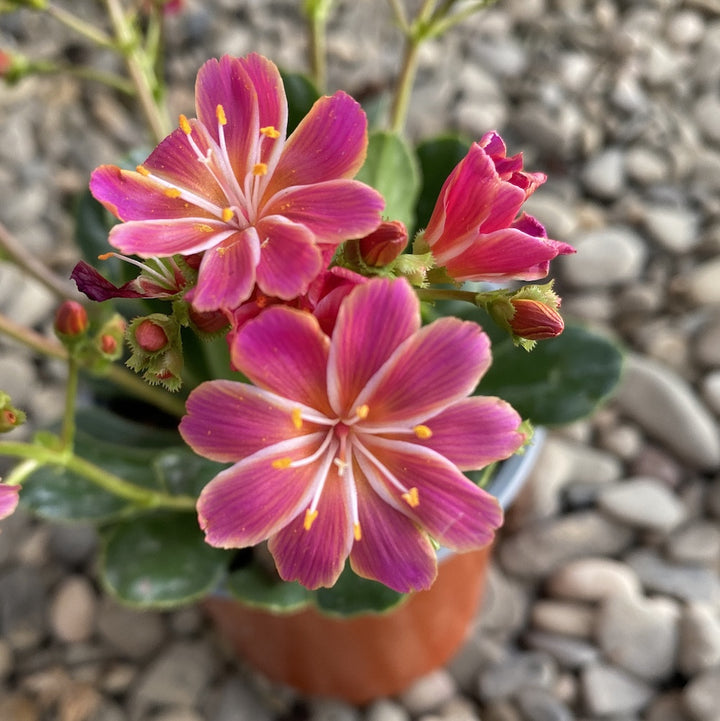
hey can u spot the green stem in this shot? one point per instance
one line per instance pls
(79, 25)
(316, 26)
(64, 458)
(400, 17)
(404, 85)
(67, 434)
(446, 294)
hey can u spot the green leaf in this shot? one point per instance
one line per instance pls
(184, 473)
(437, 159)
(159, 561)
(301, 95)
(560, 380)
(391, 168)
(353, 594)
(104, 425)
(256, 587)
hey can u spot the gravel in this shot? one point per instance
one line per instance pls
(604, 597)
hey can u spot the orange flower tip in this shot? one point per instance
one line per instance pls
(142, 170)
(259, 169)
(105, 256)
(220, 113)
(357, 532)
(411, 497)
(270, 132)
(296, 415)
(172, 192)
(227, 214)
(362, 411)
(310, 517)
(422, 432)
(184, 125)
(281, 463)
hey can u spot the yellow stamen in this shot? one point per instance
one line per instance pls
(142, 170)
(259, 169)
(204, 227)
(310, 517)
(280, 463)
(422, 432)
(362, 411)
(184, 125)
(105, 256)
(227, 214)
(270, 132)
(411, 497)
(220, 113)
(296, 415)
(357, 532)
(172, 192)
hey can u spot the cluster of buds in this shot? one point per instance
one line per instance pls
(156, 349)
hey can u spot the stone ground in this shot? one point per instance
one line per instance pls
(604, 599)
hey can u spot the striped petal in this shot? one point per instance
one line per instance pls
(9, 496)
(161, 238)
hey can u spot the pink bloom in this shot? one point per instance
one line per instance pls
(8, 499)
(262, 208)
(475, 231)
(352, 444)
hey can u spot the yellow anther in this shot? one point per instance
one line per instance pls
(227, 214)
(310, 517)
(203, 227)
(422, 432)
(184, 125)
(411, 497)
(280, 463)
(296, 415)
(142, 170)
(172, 192)
(357, 532)
(105, 256)
(362, 411)
(270, 132)
(259, 169)
(220, 113)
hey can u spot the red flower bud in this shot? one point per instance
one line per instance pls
(535, 320)
(384, 244)
(108, 344)
(150, 336)
(71, 319)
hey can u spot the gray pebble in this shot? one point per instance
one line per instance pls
(609, 690)
(699, 639)
(429, 692)
(604, 175)
(73, 610)
(386, 710)
(569, 653)
(594, 579)
(695, 543)
(702, 696)
(537, 704)
(519, 671)
(564, 617)
(135, 634)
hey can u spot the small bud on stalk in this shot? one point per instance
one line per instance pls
(10, 417)
(384, 244)
(71, 321)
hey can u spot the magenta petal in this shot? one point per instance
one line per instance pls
(147, 238)
(334, 210)
(227, 273)
(374, 319)
(227, 421)
(252, 500)
(475, 432)
(316, 557)
(329, 143)
(9, 496)
(284, 351)
(438, 365)
(290, 260)
(450, 507)
(392, 549)
(97, 287)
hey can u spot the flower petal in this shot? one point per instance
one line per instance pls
(9, 496)
(329, 143)
(334, 210)
(252, 500)
(185, 236)
(373, 320)
(475, 432)
(284, 351)
(97, 287)
(392, 549)
(228, 421)
(316, 557)
(449, 506)
(289, 261)
(227, 273)
(438, 365)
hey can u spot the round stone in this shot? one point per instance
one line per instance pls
(73, 610)
(594, 579)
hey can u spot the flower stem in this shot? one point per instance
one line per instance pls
(316, 40)
(446, 294)
(65, 458)
(79, 25)
(67, 434)
(404, 85)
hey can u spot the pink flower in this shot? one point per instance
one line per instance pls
(475, 231)
(229, 184)
(8, 499)
(352, 444)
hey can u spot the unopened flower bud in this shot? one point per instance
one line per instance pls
(156, 349)
(10, 417)
(535, 320)
(150, 337)
(384, 244)
(109, 339)
(71, 320)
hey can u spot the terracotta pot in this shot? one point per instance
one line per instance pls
(368, 656)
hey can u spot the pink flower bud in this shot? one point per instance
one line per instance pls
(535, 320)
(150, 336)
(108, 344)
(384, 244)
(71, 319)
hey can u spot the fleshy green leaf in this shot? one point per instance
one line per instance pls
(159, 561)
(301, 95)
(255, 587)
(353, 594)
(561, 380)
(391, 168)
